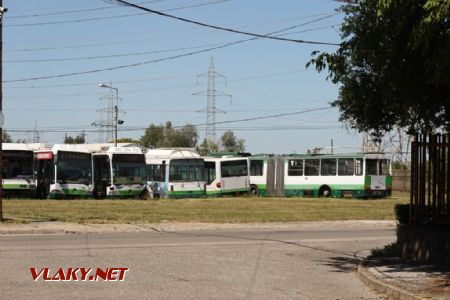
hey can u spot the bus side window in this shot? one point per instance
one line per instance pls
(346, 166)
(210, 169)
(312, 167)
(256, 167)
(358, 166)
(328, 167)
(295, 167)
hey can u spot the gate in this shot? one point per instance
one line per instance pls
(430, 179)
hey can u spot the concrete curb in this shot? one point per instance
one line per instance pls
(68, 228)
(377, 284)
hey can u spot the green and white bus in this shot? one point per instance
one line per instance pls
(118, 172)
(175, 173)
(359, 175)
(18, 176)
(64, 172)
(227, 176)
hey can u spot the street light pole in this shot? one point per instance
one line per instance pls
(2, 11)
(116, 120)
(116, 108)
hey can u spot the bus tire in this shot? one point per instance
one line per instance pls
(254, 190)
(145, 195)
(42, 192)
(325, 191)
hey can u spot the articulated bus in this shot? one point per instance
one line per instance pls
(227, 176)
(359, 175)
(18, 176)
(65, 171)
(175, 173)
(118, 172)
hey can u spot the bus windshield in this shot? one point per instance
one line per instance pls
(182, 170)
(129, 168)
(17, 164)
(74, 167)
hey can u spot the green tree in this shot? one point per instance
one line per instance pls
(153, 136)
(167, 136)
(6, 138)
(231, 144)
(393, 65)
(207, 146)
(128, 140)
(79, 139)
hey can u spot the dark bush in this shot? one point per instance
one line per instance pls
(402, 213)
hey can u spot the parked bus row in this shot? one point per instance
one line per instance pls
(102, 171)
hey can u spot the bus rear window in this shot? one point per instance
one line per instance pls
(371, 167)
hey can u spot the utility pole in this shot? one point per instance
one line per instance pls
(36, 136)
(211, 93)
(2, 11)
(112, 111)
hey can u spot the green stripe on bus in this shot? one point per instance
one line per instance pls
(18, 187)
(228, 191)
(186, 194)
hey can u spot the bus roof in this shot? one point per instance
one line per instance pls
(122, 150)
(207, 158)
(343, 155)
(25, 146)
(171, 153)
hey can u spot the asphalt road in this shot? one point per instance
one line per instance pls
(204, 264)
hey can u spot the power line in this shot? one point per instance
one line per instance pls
(108, 56)
(75, 11)
(266, 36)
(77, 129)
(108, 18)
(160, 59)
(130, 53)
(141, 40)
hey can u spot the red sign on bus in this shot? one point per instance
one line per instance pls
(44, 155)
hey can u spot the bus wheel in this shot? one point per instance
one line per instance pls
(325, 191)
(42, 192)
(145, 195)
(254, 190)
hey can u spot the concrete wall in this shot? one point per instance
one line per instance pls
(401, 181)
(424, 244)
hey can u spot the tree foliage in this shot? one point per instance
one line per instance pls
(128, 140)
(167, 136)
(231, 144)
(79, 139)
(393, 66)
(6, 138)
(207, 146)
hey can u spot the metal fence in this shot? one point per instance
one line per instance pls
(430, 179)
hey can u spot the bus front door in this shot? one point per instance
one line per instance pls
(102, 175)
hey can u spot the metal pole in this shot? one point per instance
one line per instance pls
(116, 116)
(116, 112)
(1, 110)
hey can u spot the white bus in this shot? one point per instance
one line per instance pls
(118, 172)
(359, 175)
(64, 171)
(18, 176)
(227, 176)
(175, 173)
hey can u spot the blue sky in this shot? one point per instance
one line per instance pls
(265, 77)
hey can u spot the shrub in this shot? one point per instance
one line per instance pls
(402, 213)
